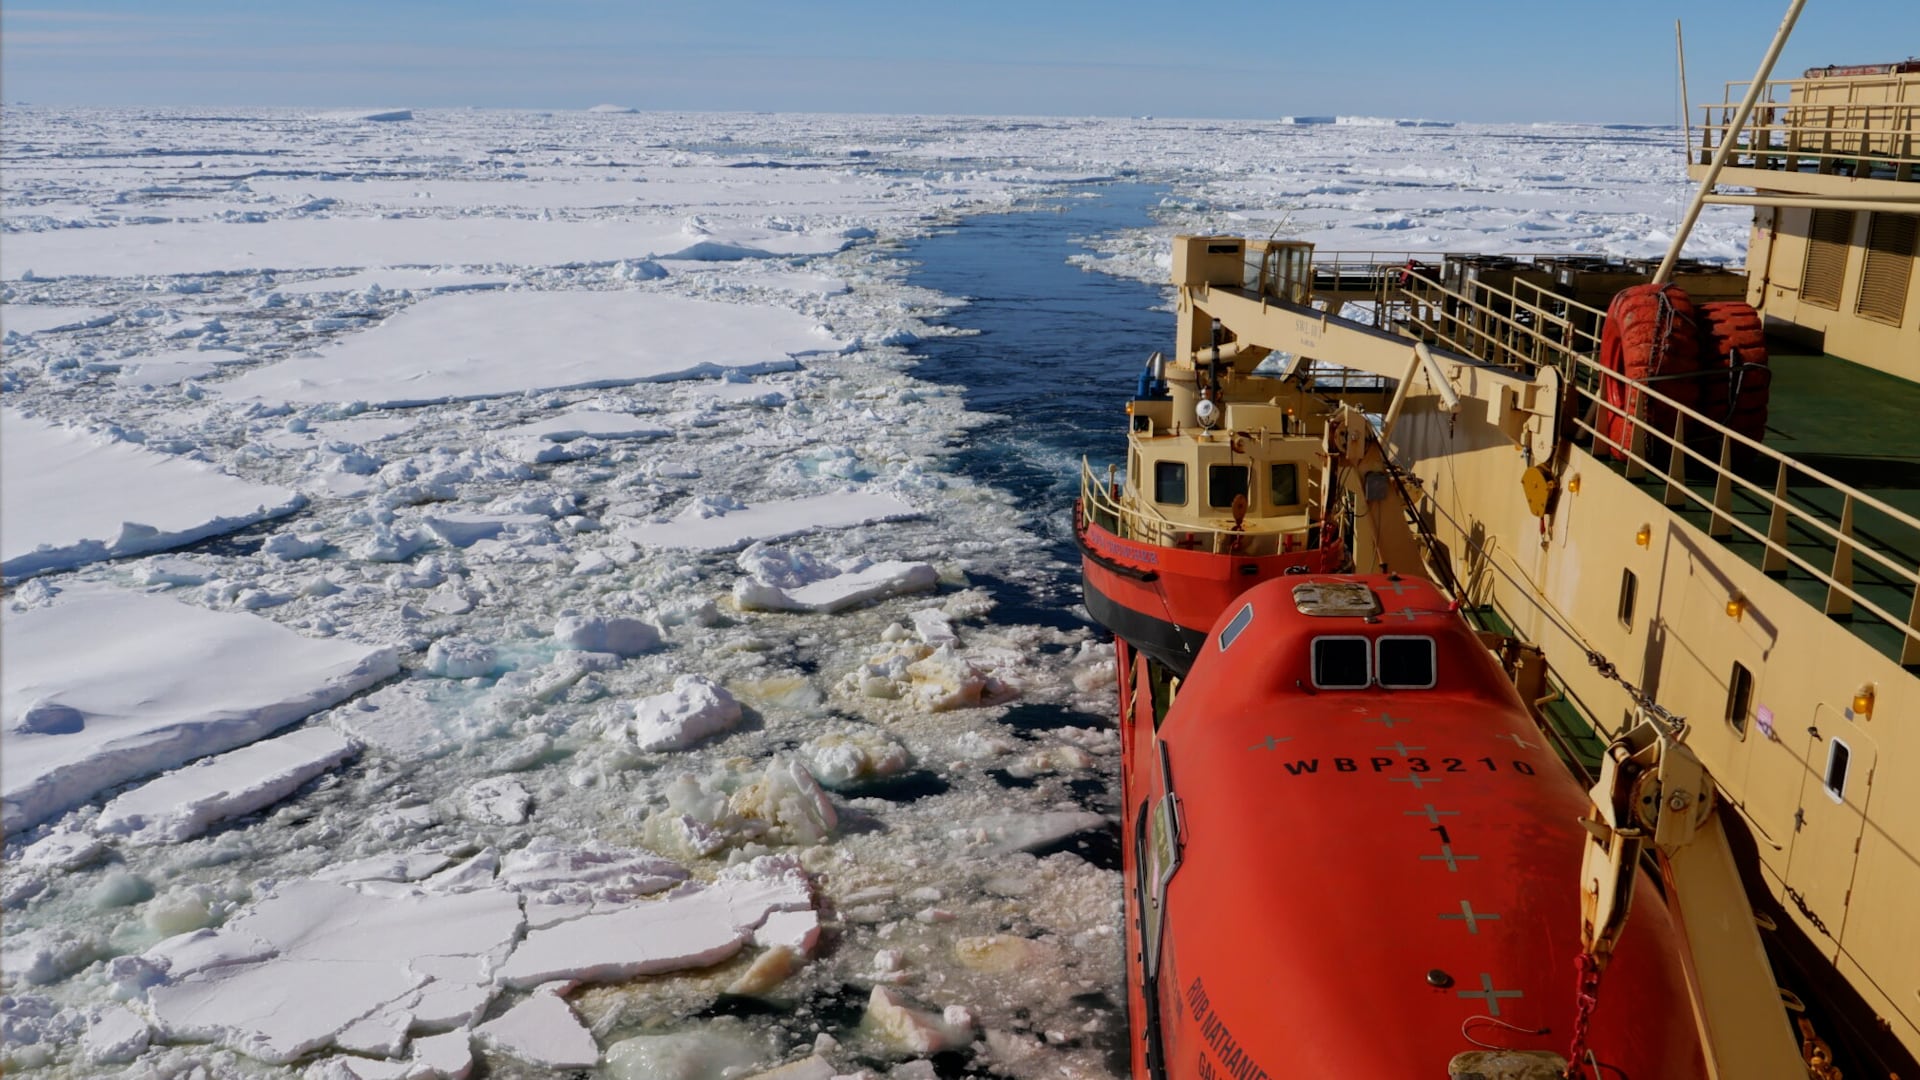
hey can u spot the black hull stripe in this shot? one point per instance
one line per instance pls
(1168, 643)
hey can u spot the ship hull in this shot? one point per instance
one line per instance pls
(1162, 600)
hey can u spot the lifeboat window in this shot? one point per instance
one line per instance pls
(1231, 632)
(1342, 663)
(1839, 755)
(1406, 663)
(1284, 486)
(1170, 482)
(1629, 591)
(1225, 483)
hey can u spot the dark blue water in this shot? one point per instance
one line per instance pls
(1056, 356)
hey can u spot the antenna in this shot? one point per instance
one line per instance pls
(1728, 137)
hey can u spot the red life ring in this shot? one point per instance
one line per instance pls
(1649, 335)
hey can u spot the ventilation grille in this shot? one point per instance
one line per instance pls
(1891, 240)
(1826, 257)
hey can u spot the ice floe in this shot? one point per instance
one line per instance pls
(186, 802)
(104, 687)
(452, 348)
(716, 527)
(71, 498)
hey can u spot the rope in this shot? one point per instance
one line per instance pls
(1594, 657)
(1497, 1022)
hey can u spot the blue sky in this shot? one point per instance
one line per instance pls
(1608, 60)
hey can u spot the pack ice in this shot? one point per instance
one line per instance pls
(105, 686)
(68, 497)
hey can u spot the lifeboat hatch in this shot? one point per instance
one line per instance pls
(1507, 1065)
(1335, 598)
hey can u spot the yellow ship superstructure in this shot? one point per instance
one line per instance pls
(1758, 599)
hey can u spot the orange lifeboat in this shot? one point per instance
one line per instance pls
(1350, 852)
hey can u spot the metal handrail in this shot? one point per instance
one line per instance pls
(1803, 127)
(1130, 523)
(1535, 348)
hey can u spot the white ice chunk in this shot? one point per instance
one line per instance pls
(115, 1035)
(69, 498)
(464, 346)
(461, 658)
(842, 759)
(186, 802)
(731, 530)
(618, 635)
(1025, 832)
(497, 801)
(686, 930)
(586, 423)
(796, 930)
(464, 529)
(917, 1030)
(694, 709)
(122, 685)
(684, 1055)
(279, 1011)
(543, 1031)
(837, 593)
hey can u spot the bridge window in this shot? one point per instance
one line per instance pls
(1342, 663)
(1224, 484)
(1170, 482)
(1285, 484)
(1406, 663)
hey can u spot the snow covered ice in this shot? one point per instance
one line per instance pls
(494, 591)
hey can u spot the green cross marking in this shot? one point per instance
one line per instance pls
(1433, 816)
(1388, 719)
(1447, 856)
(1471, 916)
(1400, 748)
(1493, 996)
(1270, 742)
(1417, 781)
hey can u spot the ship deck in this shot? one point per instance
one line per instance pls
(1855, 425)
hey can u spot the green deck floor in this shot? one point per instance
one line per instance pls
(1862, 428)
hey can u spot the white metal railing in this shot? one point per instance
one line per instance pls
(1102, 504)
(1858, 127)
(1526, 332)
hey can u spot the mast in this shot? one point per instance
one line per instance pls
(1725, 149)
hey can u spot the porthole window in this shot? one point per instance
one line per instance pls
(1342, 663)
(1225, 483)
(1406, 663)
(1839, 755)
(1629, 591)
(1170, 482)
(1739, 698)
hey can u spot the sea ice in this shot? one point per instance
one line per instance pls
(69, 498)
(854, 586)
(464, 346)
(542, 1031)
(676, 719)
(188, 801)
(199, 247)
(690, 929)
(705, 527)
(102, 687)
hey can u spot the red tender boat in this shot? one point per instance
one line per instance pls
(1350, 853)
